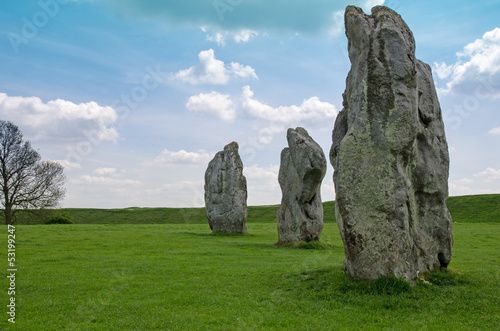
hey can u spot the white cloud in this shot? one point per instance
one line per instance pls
(219, 105)
(242, 71)
(255, 107)
(208, 71)
(491, 174)
(443, 70)
(105, 171)
(477, 70)
(495, 131)
(213, 71)
(182, 157)
(311, 110)
(59, 119)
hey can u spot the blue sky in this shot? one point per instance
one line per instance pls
(135, 97)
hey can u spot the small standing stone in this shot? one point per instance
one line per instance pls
(226, 191)
(302, 168)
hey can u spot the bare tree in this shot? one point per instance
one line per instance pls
(26, 181)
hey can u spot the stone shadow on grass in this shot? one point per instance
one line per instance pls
(333, 283)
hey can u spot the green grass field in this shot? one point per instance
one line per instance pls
(182, 277)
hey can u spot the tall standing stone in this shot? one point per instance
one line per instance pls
(226, 191)
(302, 168)
(390, 154)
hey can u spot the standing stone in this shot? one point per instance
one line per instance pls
(390, 155)
(303, 166)
(226, 192)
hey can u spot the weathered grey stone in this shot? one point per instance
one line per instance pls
(303, 167)
(390, 154)
(226, 192)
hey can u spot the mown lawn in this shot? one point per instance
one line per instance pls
(181, 277)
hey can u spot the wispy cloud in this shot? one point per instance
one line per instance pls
(490, 174)
(495, 131)
(221, 37)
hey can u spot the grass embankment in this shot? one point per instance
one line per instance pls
(475, 208)
(464, 209)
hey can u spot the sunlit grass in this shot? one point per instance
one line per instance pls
(180, 276)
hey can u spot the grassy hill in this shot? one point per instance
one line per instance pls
(464, 209)
(475, 208)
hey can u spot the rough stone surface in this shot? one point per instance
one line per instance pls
(302, 168)
(226, 191)
(390, 154)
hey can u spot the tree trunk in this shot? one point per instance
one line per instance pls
(8, 215)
